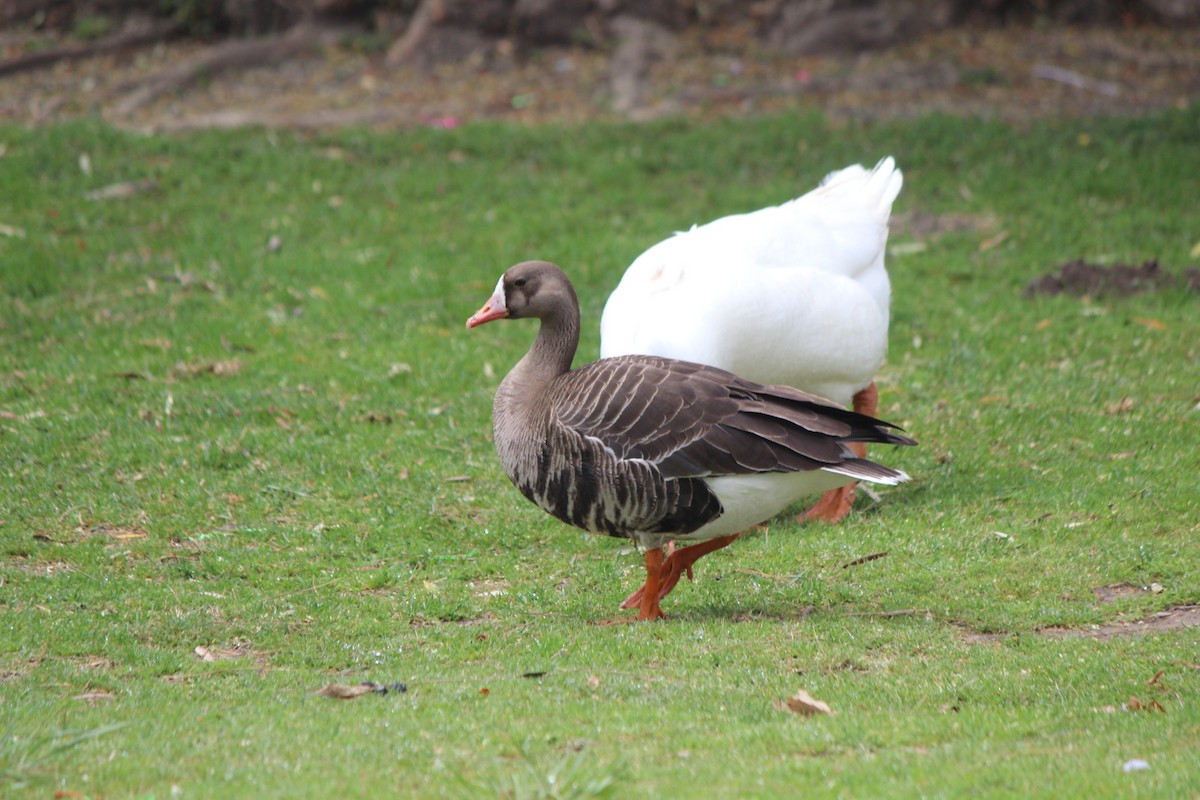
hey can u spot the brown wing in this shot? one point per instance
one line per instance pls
(692, 420)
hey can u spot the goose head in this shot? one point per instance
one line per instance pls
(531, 289)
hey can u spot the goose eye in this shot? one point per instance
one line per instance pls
(519, 282)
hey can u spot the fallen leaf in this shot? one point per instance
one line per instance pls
(593, 682)
(230, 366)
(206, 654)
(1196, 250)
(1122, 406)
(99, 662)
(92, 697)
(907, 248)
(806, 705)
(341, 691)
(116, 191)
(1135, 704)
(1157, 679)
(993, 242)
(186, 278)
(1151, 323)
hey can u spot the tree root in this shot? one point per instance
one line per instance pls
(137, 33)
(241, 54)
(311, 120)
(426, 16)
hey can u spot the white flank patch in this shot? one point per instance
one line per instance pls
(750, 499)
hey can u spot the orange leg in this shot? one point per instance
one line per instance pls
(671, 570)
(835, 504)
(649, 608)
(647, 601)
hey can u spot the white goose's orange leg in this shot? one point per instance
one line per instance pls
(672, 569)
(835, 504)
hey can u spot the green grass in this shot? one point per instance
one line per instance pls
(282, 456)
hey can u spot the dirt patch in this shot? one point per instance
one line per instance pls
(976, 637)
(1177, 618)
(47, 569)
(1117, 591)
(1012, 73)
(425, 622)
(1080, 278)
(92, 662)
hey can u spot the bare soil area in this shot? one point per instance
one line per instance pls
(1014, 74)
(1081, 278)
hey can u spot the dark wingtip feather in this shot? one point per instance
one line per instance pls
(888, 437)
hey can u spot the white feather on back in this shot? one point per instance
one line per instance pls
(795, 294)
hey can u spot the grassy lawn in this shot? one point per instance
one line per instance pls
(245, 452)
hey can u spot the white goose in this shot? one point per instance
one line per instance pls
(795, 294)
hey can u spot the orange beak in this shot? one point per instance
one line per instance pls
(495, 308)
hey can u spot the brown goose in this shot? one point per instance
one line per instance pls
(654, 449)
